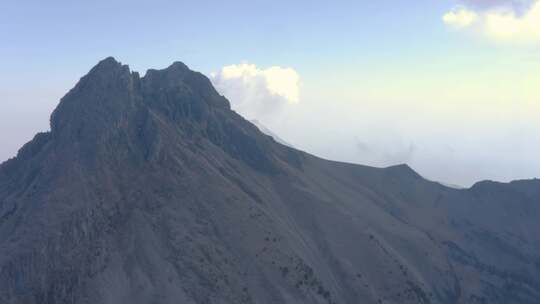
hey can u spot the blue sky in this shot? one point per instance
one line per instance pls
(392, 81)
(210, 34)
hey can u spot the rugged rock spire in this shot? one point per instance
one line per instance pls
(97, 100)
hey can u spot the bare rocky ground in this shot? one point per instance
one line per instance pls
(151, 190)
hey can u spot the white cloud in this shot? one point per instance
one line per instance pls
(255, 92)
(460, 17)
(500, 23)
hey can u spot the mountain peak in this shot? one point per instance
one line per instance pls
(112, 105)
(110, 92)
(98, 97)
(178, 65)
(176, 69)
(106, 68)
(108, 62)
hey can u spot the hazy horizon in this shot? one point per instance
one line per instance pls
(448, 87)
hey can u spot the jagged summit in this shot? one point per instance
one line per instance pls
(177, 67)
(152, 190)
(110, 90)
(112, 106)
(107, 64)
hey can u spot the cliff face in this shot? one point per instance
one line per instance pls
(151, 190)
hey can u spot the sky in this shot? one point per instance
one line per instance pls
(450, 87)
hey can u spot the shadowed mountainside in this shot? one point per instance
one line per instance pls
(152, 190)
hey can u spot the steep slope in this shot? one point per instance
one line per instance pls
(269, 132)
(151, 190)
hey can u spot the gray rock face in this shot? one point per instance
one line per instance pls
(151, 190)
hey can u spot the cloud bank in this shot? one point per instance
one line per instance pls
(501, 21)
(258, 93)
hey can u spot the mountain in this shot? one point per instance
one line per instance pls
(269, 132)
(152, 190)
